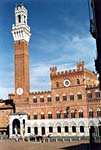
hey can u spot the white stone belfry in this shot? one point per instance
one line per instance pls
(21, 31)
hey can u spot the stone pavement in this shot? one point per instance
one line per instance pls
(13, 145)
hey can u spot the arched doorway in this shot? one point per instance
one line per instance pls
(91, 133)
(16, 126)
(43, 130)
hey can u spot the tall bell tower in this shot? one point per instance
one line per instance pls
(21, 34)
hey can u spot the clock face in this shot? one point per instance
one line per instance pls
(19, 91)
(66, 83)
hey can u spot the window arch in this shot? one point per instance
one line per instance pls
(57, 98)
(64, 97)
(98, 112)
(49, 115)
(72, 114)
(79, 96)
(89, 94)
(80, 114)
(42, 115)
(42, 99)
(49, 98)
(82, 129)
(73, 129)
(90, 113)
(59, 129)
(97, 93)
(34, 99)
(71, 96)
(78, 81)
(58, 115)
(66, 129)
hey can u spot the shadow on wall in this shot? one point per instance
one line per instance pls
(85, 146)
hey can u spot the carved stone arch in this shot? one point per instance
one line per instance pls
(73, 123)
(42, 124)
(58, 124)
(65, 124)
(81, 123)
(91, 123)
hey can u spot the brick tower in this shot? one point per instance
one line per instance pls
(21, 34)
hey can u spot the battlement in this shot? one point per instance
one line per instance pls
(80, 67)
(40, 92)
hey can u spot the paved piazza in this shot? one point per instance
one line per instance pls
(13, 145)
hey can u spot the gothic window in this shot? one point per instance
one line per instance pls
(58, 129)
(82, 129)
(73, 129)
(80, 114)
(97, 94)
(49, 99)
(50, 129)
(79, 95)
(42, 99)
(35, 116)
(90, 113)
(78, 81)
(64, 97)
(34, 100)
(71, 96)
(42, 115)
(72, 114)
(66, 129)
(58, 115)
(89, 94)
(57, 98)
(49, 115)
(98, 112)
(65, 115)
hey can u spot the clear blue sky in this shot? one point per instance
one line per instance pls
(60, 37)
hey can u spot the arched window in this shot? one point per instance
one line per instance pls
(82, 129)
(80, 114)
(65, 114)
(41, 99)
(90, 113)
(97, 94)
(59, 129)
(89, 94)
(57, 98)
(72, 114)
(50, 129)
(42, 115)
(64, 97)
(98, 112)
(78, 81)
(19, 18)
(74, 129)
(66, 129)
(36, 130)
(79, 96)
(49, 99)
(35, 116)
(58, 115)
(49, 115)
(34, 99)
(71, 96)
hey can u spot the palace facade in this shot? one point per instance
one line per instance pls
(70, 108)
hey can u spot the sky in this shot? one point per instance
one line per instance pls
(59, 37)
